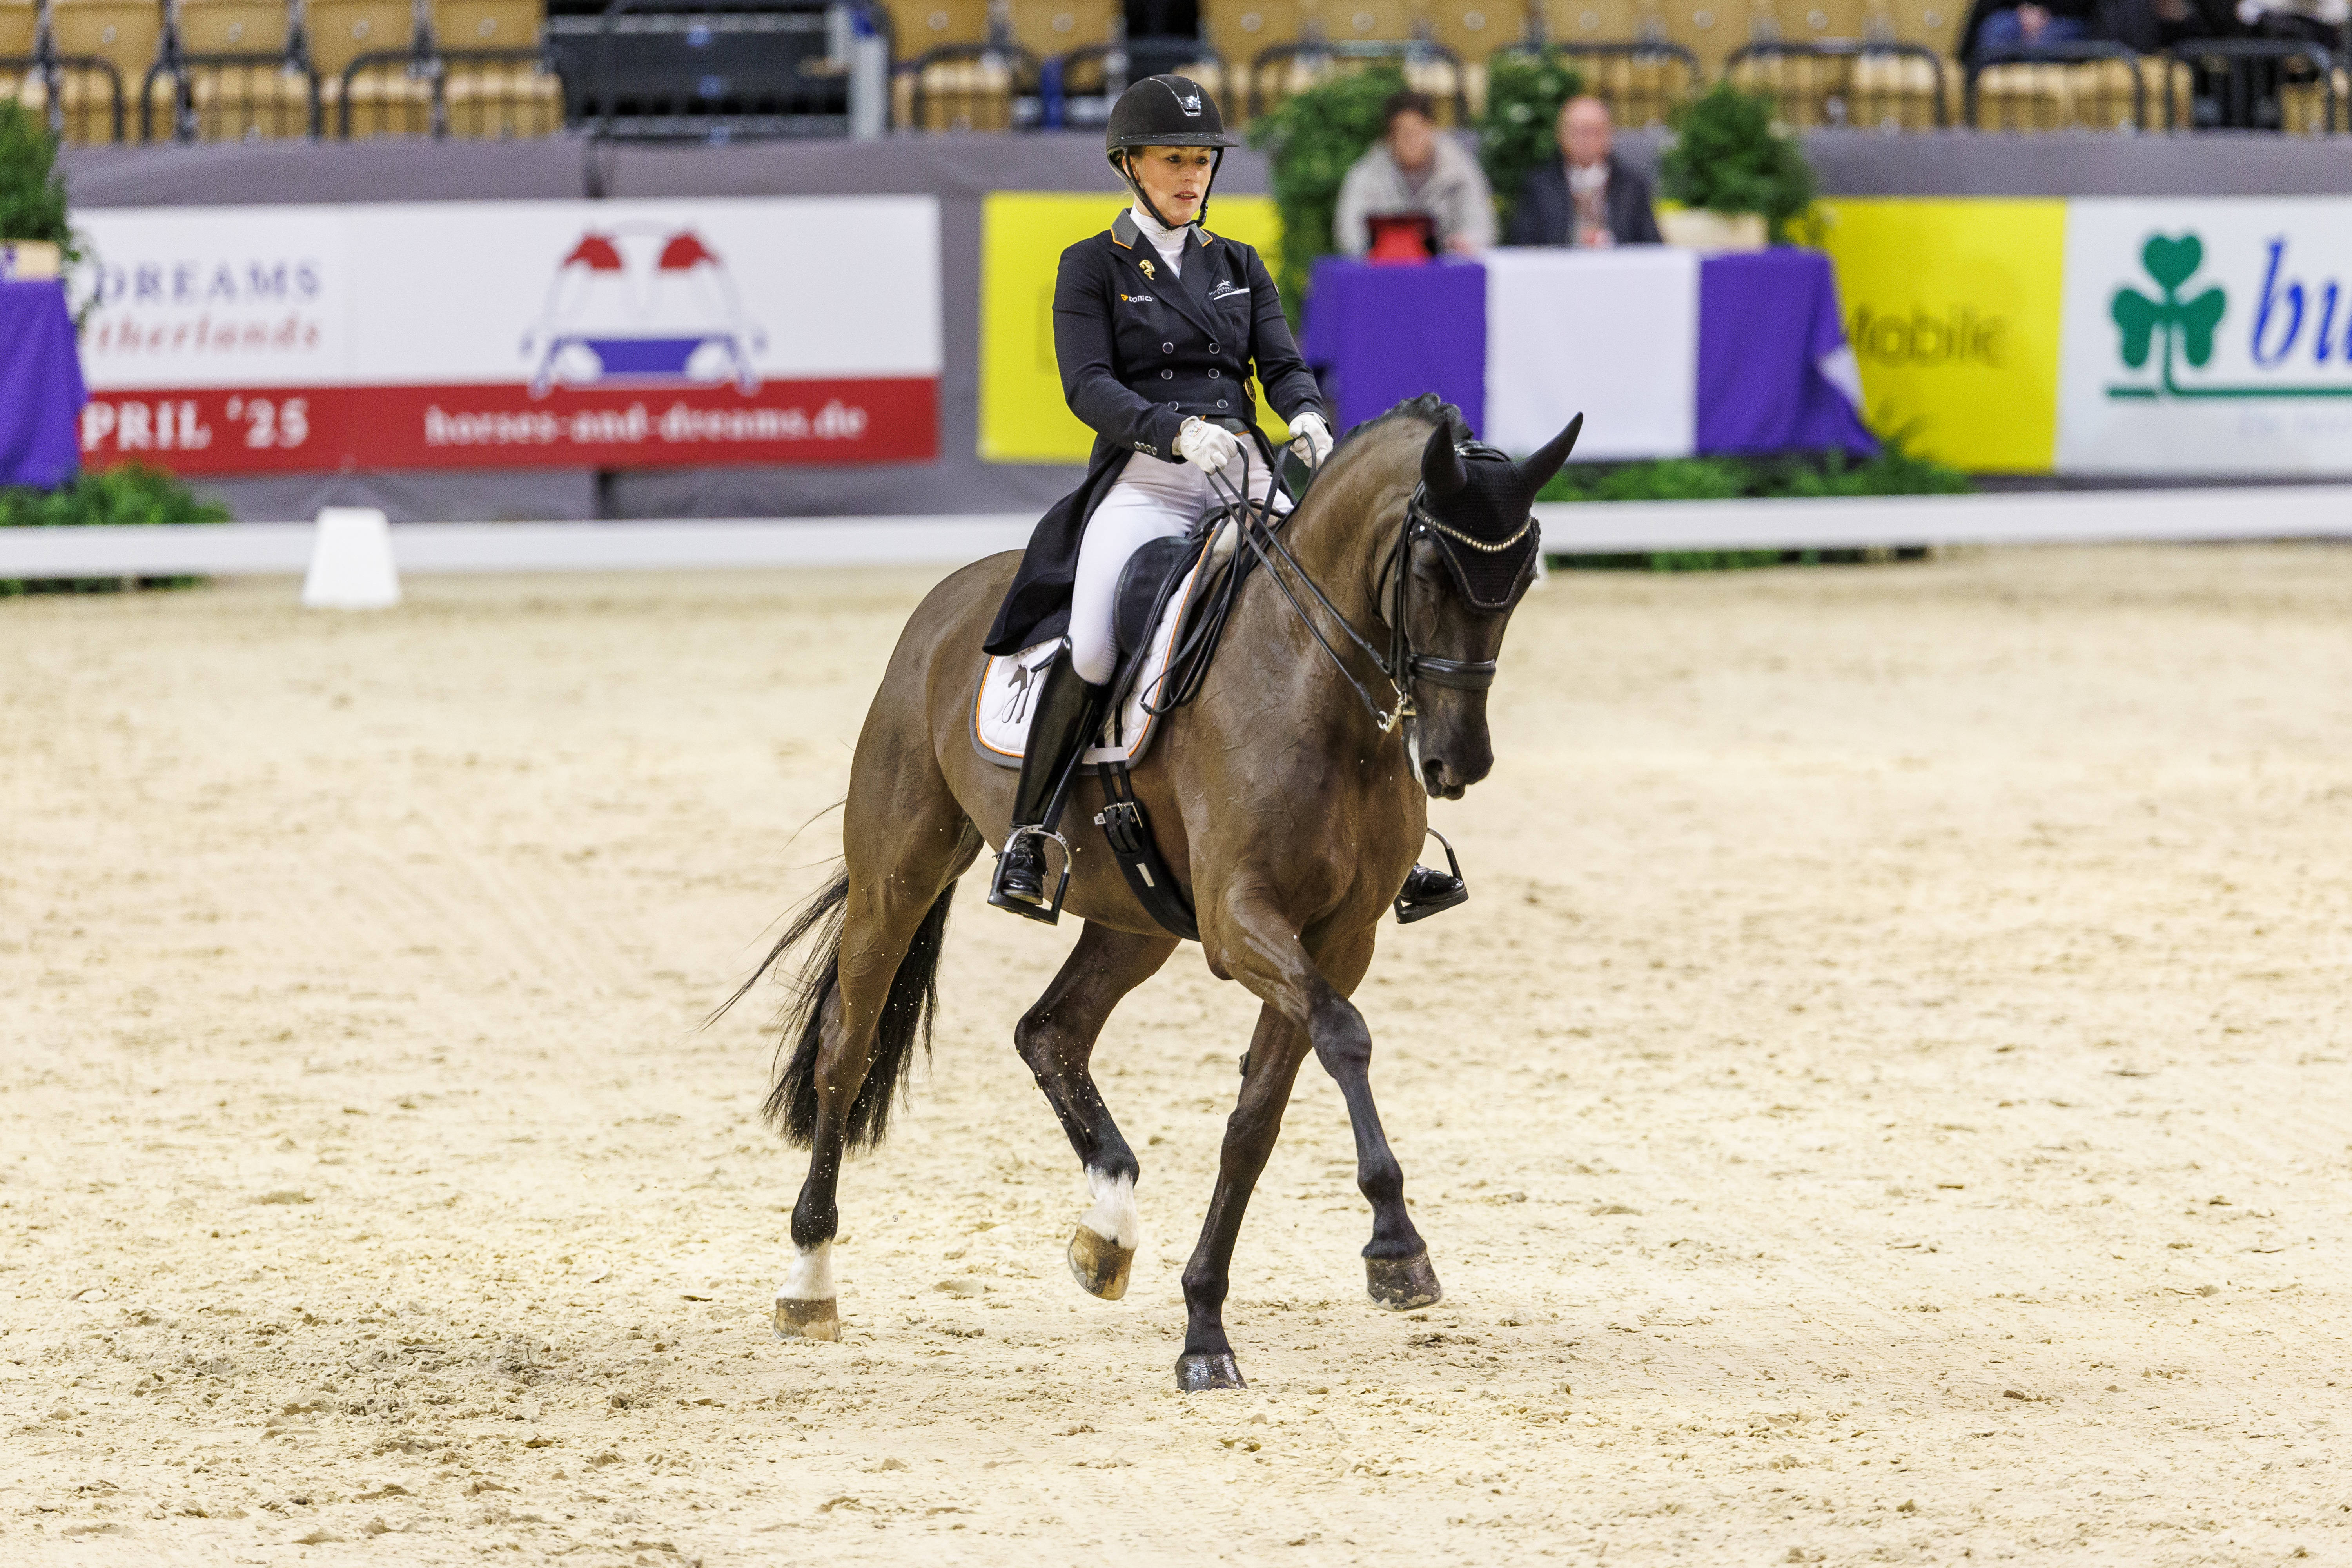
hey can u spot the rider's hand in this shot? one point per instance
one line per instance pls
(1311, 439)
(1208, 448)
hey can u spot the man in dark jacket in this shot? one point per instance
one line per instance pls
(1590, 198)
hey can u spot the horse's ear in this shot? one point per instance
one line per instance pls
(1538, 469)
(1442, 468)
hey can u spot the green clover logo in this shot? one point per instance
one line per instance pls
(2170, 262)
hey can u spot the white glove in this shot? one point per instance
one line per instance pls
(1311, 439)
(1208, 448)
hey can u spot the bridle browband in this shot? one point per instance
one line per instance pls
(1400, 665)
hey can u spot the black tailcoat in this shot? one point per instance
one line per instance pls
(1142, 350)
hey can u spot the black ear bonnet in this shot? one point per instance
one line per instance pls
(1482, 528)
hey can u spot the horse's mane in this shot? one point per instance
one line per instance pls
(1425, 410)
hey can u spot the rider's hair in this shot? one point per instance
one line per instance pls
(1406, 103)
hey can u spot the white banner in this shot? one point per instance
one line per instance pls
(432, 334)
(2206, 337)
(1611, 333)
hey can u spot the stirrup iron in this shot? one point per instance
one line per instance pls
(1050, 912)
(1447, 891)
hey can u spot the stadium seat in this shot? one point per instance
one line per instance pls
(1571, 22)
(495, 98)
(1363, 21)
(391, 94)
(240, 79)
(20, 35)
(1931, 24)
(1241, 31)
(128, 35)
(926, 24)
(1711, 29)
(1475, 29)
(1050, 28)
(2073, 95)
(1813, 21)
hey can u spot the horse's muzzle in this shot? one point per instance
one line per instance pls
(1438, 777)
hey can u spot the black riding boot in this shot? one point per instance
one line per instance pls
(1428, 891)
(1068, 710)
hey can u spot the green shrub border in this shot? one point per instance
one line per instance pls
(130, 496)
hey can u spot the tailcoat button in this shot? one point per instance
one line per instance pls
(1213, 376)
(1168, 348)
(1215, 349)
(1167, 375)
(1221, 403)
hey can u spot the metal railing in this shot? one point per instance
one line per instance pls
(2057, 87)
(1863, 84)
(1643, 82)
(2256, 84)
(67, 113)
(233, 96)
(1429, 67)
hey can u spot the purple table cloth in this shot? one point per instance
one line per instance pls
(41, 390)
(1379, 334)
(1775, 373)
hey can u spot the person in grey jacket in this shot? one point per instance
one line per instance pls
(1590, 196)
(1414, 168)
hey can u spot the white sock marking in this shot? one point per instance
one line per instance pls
(1114, 1216)
(812, 1276)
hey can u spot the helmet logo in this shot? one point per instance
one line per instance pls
(1190, 104)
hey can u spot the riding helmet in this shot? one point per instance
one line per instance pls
(1163, 111)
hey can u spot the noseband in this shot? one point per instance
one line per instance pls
(1461, 674)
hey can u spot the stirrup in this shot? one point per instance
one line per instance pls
(1436, 892)
(1049, 913)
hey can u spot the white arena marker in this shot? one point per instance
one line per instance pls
(351, 562)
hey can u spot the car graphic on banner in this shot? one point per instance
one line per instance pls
(507, 335)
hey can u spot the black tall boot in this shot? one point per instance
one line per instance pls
(1068, 710)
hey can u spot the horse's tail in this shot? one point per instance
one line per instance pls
(907, 1016)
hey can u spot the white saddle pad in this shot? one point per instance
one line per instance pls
(1000, 714)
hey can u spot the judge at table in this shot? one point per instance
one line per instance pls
(1592, 196)
(1415, 168)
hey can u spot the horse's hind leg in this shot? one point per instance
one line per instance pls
(1057, 1038)
(905, 842)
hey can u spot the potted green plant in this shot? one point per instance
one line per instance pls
(1740, 181)
(1312, 141)
(36, 240)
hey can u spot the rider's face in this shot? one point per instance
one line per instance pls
(1175, 178)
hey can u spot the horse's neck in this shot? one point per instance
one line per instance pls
(1340, 537)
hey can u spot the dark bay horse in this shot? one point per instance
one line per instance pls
(1288, 804)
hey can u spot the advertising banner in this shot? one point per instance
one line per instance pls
(2207, 337)
(1023, 416)
(510, 334)
(1953, 310)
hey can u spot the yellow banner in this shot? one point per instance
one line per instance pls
(1953, 310)
(1022, 234)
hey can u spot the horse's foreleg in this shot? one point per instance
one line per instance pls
(1057, 1038)
(1397, 1269)
(1255, 944)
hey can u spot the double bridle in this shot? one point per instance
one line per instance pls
(1400, 665)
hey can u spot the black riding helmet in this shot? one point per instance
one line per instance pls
(1164, 111)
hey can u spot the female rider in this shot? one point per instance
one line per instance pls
(1157, 328)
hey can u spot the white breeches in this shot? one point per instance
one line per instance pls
(1152, 498)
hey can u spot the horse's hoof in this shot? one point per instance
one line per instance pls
(1403, 1284)
(807, 1320)
(1197, 1372)
(1100, 1266)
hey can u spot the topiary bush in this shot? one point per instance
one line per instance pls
(32, 192)
(1727, 158)
(1521, 130)
(125, 497)
(1312, 141)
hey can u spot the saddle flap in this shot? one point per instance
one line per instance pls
(1144, 583)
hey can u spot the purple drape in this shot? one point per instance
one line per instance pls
(1768, 324)
(41, 391)
(1378, 334)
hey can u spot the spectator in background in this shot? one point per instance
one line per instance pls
(1592, 196)
(2001, 27)
(1414, 168)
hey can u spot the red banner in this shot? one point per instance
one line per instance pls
(311, 429)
